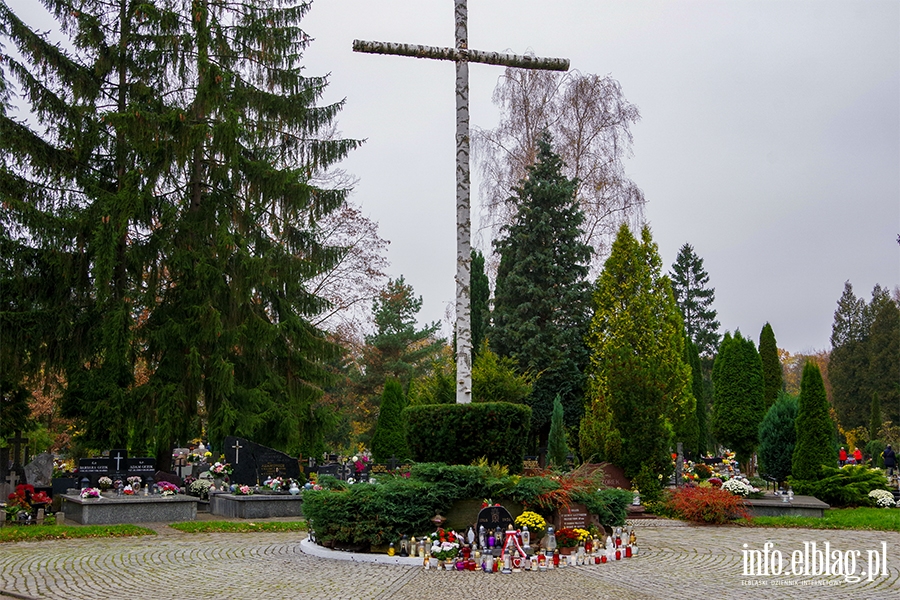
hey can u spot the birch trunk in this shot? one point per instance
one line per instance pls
(463, 227)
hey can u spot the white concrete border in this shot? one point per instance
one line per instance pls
(315, 549)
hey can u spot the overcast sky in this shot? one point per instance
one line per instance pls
(769, 137)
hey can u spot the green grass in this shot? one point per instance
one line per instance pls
(36, 533)
(876, 519)
(237, 527)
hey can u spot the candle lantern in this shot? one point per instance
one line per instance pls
(391, 549)
(526, 537)
(551, 538)
(404, 545)
(627, 551)
(555, 560)
(482, 537)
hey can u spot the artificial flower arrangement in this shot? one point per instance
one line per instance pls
(445, 545)
(536, 523)
(167, 488)
(360, 463)
(25, 497)
(128, 490)
(276, 484)
(220, 469)
(243, 490)
(134, 479)
(569, 537)
(90, 493)
(104, 483)
(739, 487)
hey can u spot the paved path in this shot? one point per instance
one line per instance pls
(674, 562)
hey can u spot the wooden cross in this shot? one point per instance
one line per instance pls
(17, 443)
(237, 448)
(462, 55)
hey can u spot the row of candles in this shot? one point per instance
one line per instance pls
(516, 554)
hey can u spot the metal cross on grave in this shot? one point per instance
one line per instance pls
(462, 55)
(237, 449)
(118, 458)
(17, 442)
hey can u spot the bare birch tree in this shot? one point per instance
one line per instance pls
(589, 120)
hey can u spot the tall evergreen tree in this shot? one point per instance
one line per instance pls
(557, 447)
(773, 375)
(875, 420)
(848, 364)
(738, 387)
(815, 430)
(639, 383)
(777, 437)
(390, 432)
(698, 389)
(883, 350)
(694, 297)
(480, 292)
(542, 297)
(169, 208)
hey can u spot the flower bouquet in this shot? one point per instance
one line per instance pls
(200, 487)
(536, 524)
(134, 479)
(276, 484)
(882, 498)
(104, 483)
(90, 493)
(568, 537)
(220, 470)
(243, 490)
(167, 488)
(445, 545)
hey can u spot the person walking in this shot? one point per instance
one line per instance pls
(842, 456)
(890, 460)
(857, 455)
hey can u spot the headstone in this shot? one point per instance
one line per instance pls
(614, 476)
(575, 515)
(492, 517)
(142, 466)
(378, 469)
(329, 470)
(93, 468)
(253, 463)
(39, 472)
(530, 464)
(118, 463)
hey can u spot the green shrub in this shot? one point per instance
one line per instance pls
(847, 486)
(461, 433)
(706, 505)
(648, 484)
(390, 432)
(610, 505)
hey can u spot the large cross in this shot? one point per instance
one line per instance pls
(462, 55)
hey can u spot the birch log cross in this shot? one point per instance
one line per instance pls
(462, 56)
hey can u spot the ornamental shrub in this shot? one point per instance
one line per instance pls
(461, 433)
(706, 505)
(847, 486)
(390, 432)
(814, 447)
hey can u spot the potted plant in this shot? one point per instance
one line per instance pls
(568, 538)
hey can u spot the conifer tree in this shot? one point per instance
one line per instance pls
(639, 383)
(170, 209)
(875, 420)
(557, 447)
(773, 375)
(777, 437)
(883, 351)
(738, 404)
(542, 296)
(815, 429)
(848, 363)
(694, 297)
(480, 293)
(389, 439)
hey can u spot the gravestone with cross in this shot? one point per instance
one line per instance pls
(462, 55)
(253, 463)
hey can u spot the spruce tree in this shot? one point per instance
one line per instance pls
(883, 351)
(815, 430)
(777, 437)
(557, 447)
(186, 226)
(542, 296)
(773, 376)
(738, 404)
(875, 420)
(389, 439)
(640, 384)
(694, 297)
(848, 365)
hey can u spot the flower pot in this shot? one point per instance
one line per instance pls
(566, 551)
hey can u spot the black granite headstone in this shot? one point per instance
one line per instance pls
(118, 463)
(379, 469)
(93, 469)
(492, 517)
(328, 470)
(253, 463)
(142, 466)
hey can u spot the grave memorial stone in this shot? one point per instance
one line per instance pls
(575, 515)
(39, 472)
(253, 463)
(492, 517)
(531, 464)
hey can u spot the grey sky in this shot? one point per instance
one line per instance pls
(769, 139)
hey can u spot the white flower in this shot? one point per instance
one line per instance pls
(883, 498)
(738, 487)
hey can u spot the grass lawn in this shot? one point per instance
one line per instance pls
(237, 526)
(877, 519)
(36, 533)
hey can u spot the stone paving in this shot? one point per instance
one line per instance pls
(674, 562)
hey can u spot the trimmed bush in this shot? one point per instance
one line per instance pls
(390, 432)
(847, 486)
(706, 505)
(461, 433)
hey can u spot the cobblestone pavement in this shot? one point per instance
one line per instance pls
(674, 562)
